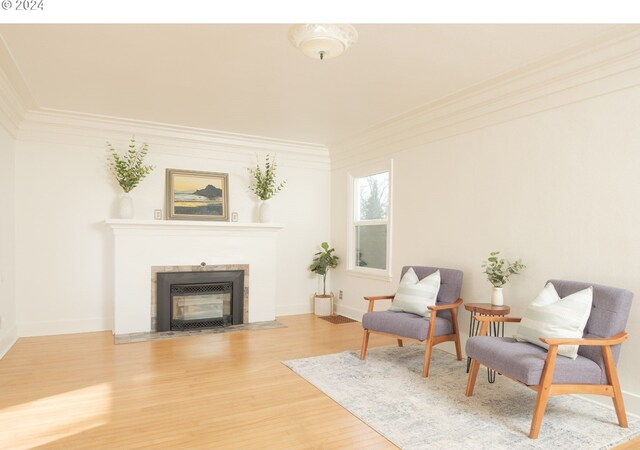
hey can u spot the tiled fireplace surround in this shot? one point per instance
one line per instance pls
(143, 248)
(199, 268)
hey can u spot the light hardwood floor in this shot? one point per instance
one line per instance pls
(81, 391)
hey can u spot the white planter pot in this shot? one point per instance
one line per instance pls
(496, 297)
(125, 207)
(323, 304)
(265, 211)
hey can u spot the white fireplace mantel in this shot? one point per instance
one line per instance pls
(142, 244)
(172, 225)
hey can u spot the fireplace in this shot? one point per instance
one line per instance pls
(203, 299)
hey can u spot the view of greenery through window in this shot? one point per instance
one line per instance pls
(374, 196)
(371, 221)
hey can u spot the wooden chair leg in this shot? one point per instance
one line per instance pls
(612, 378)
(400, 343)
(473, 374)
(454, 320)
(365, 343)
(538, 412)
(427, 358)
(428, 343)
(543, 392)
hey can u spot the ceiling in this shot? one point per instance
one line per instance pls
(249, 79)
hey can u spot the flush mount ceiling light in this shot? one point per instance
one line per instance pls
(322, 40)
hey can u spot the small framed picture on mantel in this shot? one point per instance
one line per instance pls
(195, 195)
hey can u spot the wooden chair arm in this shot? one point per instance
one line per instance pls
(604, 343)
(613, 340)
(446, 306)
(371, 300)
(380, 297)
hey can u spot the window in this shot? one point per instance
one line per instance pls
(370, 216)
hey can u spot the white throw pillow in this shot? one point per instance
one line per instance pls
(415, 296)
(549, 316)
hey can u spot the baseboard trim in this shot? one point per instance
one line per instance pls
(631, 402)
(292, 310)
(351, 313)
(7, 340)
(27, 329)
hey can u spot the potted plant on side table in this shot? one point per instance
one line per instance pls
(498, 271)
(322, 262)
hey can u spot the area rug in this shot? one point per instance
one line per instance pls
(337, 320)
(388, 393)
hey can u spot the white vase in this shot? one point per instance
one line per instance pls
(496, 297)
(125, 208)
(265, 211)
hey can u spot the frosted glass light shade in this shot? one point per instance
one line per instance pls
(322, 41)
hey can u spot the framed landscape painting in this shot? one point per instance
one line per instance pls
(197, 195)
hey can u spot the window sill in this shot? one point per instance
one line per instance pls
(369, 275)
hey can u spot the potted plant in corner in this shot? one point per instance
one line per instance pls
(322, 262)
(498, 271)
(264, 185)
(129, 169)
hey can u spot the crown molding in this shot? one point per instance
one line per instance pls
(24, 119)
(12, 108)
(48, 125)
(15, 97)
(594, 68)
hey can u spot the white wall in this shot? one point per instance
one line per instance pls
(558, 188)
(64, 193)
(8, 330)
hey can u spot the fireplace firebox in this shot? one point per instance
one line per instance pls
(194, 300)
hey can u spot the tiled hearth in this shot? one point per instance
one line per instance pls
(153, 336)
(199, 268)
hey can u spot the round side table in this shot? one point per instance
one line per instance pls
(495, 328)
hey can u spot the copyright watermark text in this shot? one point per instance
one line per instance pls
(22, 5)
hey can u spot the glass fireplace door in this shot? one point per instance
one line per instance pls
(200, 305)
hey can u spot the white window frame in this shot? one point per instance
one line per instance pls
(353, 175)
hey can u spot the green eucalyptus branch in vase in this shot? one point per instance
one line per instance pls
(264, 184)
(129, 170)
(498, 271)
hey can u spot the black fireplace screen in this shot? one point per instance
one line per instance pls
(192, 300)
(200, 305)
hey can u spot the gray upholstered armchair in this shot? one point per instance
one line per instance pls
(592, 372)
(441, 326)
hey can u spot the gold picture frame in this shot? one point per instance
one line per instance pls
(192, 195)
